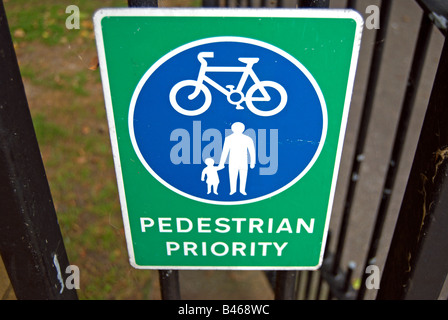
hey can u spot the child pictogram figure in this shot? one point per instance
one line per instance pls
(212, 176)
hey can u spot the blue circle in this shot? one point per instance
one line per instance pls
(174, 146)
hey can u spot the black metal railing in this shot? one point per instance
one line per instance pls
(31, 243)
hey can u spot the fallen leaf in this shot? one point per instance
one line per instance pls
(94, 64)
(19, 33)
(85, 130)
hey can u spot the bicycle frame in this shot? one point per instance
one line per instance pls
(247, 71)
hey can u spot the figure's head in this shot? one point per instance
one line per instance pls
(209, 162)
(238, 127)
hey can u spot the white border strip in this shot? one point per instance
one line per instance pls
(229, 12)
(221, 12)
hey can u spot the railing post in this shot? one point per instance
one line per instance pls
(285, 285)
(358, 156)
(417, 263)
(169, 284)
(421, 47)
(169, 279)
(210, 3)
(286, 280)
(314, 3)
(143, 3)
(31, 243)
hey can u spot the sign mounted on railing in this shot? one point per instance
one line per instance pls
(227, 128)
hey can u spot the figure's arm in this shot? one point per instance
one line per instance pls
(251, 149)
(224, 154)
(203, 174)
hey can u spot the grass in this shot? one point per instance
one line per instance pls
(59, 81)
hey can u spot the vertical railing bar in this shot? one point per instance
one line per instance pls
(314, 3)
(311, 4)
(143, 3)
(319, 286)
(169, 284)
(325, 257)
(31, 244)
(210, 3)
(348, 276)
(297, 289)
(364, 124)
(285, 285)
(271, 276)
(169, 279)
(351, 4)
(421, 48)
(309, 279)
(329, 294)
(416, 266)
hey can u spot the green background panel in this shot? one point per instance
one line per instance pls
(323, 45)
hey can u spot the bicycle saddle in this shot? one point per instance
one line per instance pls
(249, 60)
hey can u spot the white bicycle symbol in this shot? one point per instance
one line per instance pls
(234, 96)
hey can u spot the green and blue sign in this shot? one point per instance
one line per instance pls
(227, 129)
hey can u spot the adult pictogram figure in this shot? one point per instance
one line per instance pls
(237, 147)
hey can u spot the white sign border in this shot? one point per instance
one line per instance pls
(222, 12)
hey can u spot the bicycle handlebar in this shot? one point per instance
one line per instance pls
(203, 55)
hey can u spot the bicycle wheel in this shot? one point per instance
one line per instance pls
(176, 95)
(275, 90)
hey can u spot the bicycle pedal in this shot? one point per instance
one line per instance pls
(239, 107)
